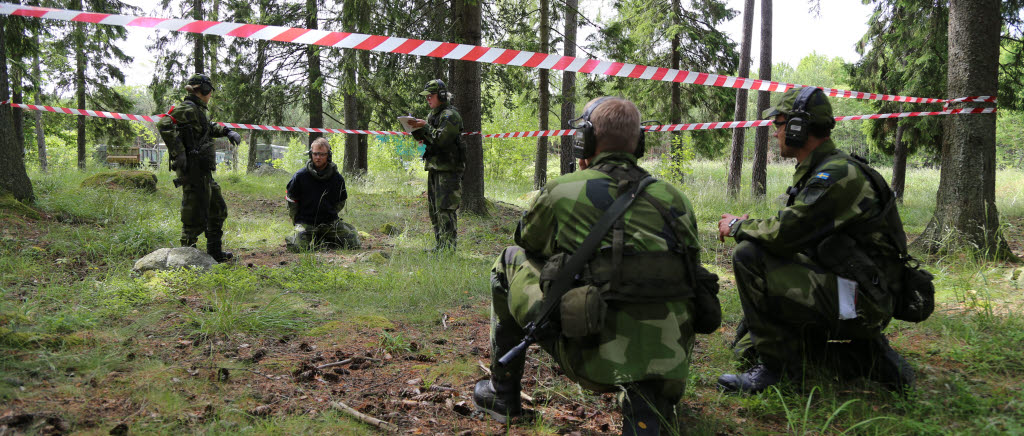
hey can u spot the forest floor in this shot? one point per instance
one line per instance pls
(275, 342)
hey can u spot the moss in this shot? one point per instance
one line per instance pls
(327, 328)
(7, 318)
(142, 180)
(27, 340)
(373, 321)
(9, 205)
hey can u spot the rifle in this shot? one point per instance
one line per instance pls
(570, 271)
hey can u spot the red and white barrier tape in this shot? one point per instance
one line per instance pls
(437, 49)
(530, 134)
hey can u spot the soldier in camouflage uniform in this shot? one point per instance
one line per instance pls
(189, 134)
(796, 308)
(644, 346)
(445, 160)
(316, 195)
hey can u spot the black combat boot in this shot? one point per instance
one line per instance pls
(500, 400)
(213, 248)
(644, 412)
(888, 367)
(755, 380)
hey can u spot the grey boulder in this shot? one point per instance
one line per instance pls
(170, 258)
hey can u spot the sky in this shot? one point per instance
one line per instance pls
(839, 26)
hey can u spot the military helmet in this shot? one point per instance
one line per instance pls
(435, 86)
(817, 106)
(204, 83)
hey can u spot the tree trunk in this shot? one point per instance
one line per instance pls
(467, 81)
(762, 136)
(351, 108)
(899, 164)
(736, 161)
(253, 150)
(80, 86)
(40, 136)
(13, 177)
(540, 167)
(197, 13)
(316, 93)
(257, 82)
(965, 207)
(18, 114)
(568, 87)
(676, 110)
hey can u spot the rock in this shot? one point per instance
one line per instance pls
(169, 258)
(142, 180)
(268, 170)
(390, 229)
(375, 257)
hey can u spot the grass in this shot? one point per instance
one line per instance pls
(80, 333)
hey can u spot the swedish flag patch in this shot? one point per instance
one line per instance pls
(822, 176)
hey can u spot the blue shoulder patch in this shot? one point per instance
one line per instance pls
(822, 176)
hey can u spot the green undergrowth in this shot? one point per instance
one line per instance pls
(76, 323)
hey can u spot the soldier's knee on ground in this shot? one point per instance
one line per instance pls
(747, 253)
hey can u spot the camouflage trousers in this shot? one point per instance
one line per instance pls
(791, 309)
(203, 210)
(335, 234)
(516, 292)
(444, 195)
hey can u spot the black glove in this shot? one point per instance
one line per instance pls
(234, 137)
(179, 162)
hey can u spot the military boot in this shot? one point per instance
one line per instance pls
(755, 380)
(644, 412)
(888, 367)
(213, 248)
(501, 400)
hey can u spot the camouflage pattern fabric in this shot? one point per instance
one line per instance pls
(202, 207)
(444, 150)
(444, 195)
(790, 302)
(203, 210)
(639, 341)
(336, 234)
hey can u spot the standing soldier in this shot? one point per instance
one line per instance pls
(444, 159)
(822, 278)
(189, 134)
(626, 244)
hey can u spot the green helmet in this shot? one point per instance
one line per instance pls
(203, 81)
(435, 86)
(817, 107)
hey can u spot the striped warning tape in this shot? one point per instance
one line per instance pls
(530, 134)
(437, 49)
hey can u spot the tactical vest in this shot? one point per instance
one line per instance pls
(621, 274)
(459, 155)
(849, 253)
(201, 149)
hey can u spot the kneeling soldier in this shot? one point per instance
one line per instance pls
(316, 194)
(606, 277)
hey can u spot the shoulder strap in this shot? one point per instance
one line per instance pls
(574, 265)
(684, 250)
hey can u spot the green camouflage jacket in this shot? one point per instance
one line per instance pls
(830, 197)
(444, 150)
(639, 340)
(190, 114)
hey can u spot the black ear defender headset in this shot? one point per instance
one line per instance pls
(309, 153)
(799, 120)
(204, 82)
(585, 134)
(442, 90)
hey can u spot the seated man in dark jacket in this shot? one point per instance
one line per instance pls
(316, 194)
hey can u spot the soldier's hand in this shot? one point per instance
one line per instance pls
(417, 123)
(234, 138)
(179, 162)
(723, 224)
